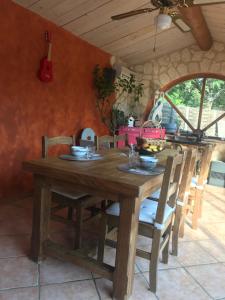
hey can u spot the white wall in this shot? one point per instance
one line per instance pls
(191, 60)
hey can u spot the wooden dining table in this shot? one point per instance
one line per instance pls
(101, 178)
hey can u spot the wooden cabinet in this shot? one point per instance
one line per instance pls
(134, 132)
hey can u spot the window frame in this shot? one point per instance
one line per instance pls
(204, 76)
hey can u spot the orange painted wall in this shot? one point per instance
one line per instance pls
(30, 108)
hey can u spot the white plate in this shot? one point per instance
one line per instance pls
(76, 158)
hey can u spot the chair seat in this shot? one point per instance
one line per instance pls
(194, 182)
(155, 195)
(147, 211)
(68, 194)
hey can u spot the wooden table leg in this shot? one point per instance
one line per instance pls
(41, 216)
(126, 248)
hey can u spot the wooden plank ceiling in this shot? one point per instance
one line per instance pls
(131, 39)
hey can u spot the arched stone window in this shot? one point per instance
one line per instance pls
(200, 104)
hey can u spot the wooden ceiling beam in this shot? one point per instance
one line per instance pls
(193, 16)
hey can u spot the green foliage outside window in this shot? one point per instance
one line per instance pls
(188, 95)
(189, 92)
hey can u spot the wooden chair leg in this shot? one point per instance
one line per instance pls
(182, 222)
(102, 236)
(196, 209)
(79, 223)
(165, 251)
(153, 266)
(70, 213)
(200, 202)
(176, 229)
(184, 214)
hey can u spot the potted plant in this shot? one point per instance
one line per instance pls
(106, 85)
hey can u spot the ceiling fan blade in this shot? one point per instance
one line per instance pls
(133, 13)
(207, 2)
(179, 22)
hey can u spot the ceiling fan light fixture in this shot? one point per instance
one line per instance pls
(163, 21)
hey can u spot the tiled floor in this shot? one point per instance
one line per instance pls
(197, 273)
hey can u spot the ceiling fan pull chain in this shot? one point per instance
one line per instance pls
(155, 37)
(184, 4)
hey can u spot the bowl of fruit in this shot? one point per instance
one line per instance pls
(149, 146)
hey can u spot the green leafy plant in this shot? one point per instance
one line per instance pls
(106, 85)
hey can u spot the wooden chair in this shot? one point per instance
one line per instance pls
(184, 189)
(65, 198)
(109, 141)
(195, 201)
(120, 138)
(104, 142)
(57, 140)
(182, 202)
(155, 219)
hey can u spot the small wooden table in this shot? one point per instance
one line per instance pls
(100, 178)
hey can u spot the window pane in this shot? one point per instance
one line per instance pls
(213, 107)
(217, 130)
(186, 96)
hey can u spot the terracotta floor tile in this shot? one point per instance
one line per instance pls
(144, 243)
(15, 225)
(199, 251)
(14, 245)
(143, 264)
(25, 203)
(178, 284)
(20, 294)
(211, 278)
(58, 227)
(56, 271)
(64, 238)
(191, 253)
(110, 256)
(216, 230)
(10, 211)
(212, 212)
(18, 272)
(215, 194)
(215, 248)
(82, 290)
(140, 289)
(192, 234)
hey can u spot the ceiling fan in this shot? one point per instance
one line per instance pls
(168, 12)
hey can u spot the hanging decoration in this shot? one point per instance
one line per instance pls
(45, 73)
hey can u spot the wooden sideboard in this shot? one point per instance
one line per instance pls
(134, 132)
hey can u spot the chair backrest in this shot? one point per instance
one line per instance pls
(170, 184)
(87, 137)
(205, 163)
(171, 145)
(48, 142)
(104, 142)
(189, 168)
(120, 138)
(86, 143)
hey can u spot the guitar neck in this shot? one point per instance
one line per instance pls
(49, 51)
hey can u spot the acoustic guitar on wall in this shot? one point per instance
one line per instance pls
(45, 72)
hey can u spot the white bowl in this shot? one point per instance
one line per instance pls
(148, 161)
(148, 158)
(78, 151)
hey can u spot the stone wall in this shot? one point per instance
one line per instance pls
(159, 72)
